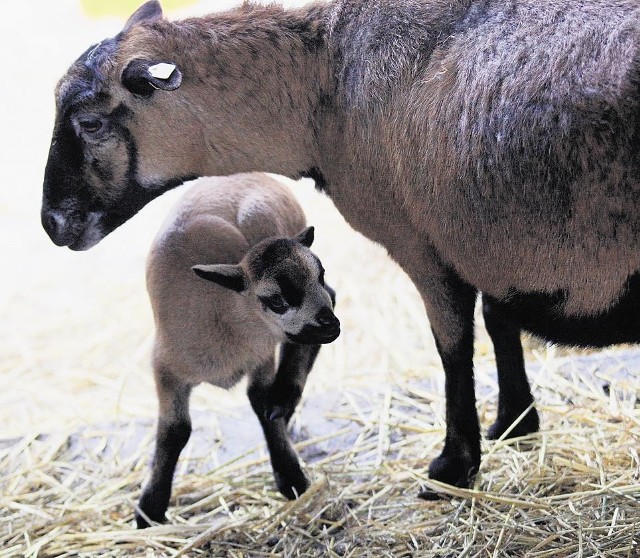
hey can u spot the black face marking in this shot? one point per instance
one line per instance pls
(120, 113)
(290, 288)
(103, 172)
(135, 197)
(66, 191)
(75, 213)
(62, 173)
(320, 268)
(326, 332)
(88, 77)
(280, 257)
(275, 253)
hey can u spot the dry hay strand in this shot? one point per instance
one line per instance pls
(571, 490)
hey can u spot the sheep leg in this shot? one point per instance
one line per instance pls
(450, 306)
(514, 392)
(294, 367)
(284, 395)
(174, 429)
(289, 477)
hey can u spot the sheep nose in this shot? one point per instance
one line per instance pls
(56, 225)
(326, 318)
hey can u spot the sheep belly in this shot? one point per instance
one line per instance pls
(543, 315)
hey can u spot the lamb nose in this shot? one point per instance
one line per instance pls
(326, 318)
(54, 224)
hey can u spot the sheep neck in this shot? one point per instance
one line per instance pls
(254, 90)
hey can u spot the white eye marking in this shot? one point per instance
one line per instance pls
(162, 70)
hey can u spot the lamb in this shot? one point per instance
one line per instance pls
(491, 147)
(219, 333)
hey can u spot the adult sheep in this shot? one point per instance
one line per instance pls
(490, 146)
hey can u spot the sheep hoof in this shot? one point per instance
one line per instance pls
(142, 523)
(291, 486)
(151, 507)
(450, 470)
(530, 423)
(431, 495)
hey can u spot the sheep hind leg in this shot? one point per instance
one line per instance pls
(173, 432)
(290, 479)
(514, 396)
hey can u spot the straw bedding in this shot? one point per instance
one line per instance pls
(570, 491)
(78, 408)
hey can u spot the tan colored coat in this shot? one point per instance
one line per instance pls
(204, 332)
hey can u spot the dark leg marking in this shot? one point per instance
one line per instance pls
(284, 394)
(453, 323)
(174, 429)
(290, 479)
(514, 391)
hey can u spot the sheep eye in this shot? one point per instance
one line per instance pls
(90, 125)
(276, 303)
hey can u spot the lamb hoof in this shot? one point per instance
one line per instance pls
(530, 423)
(450, 470)
(292, 486)
(431, 495)
(153, 504)
(142, 523)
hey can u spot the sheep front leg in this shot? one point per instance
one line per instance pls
(296, 362)
(174, 429)
(450, 306)
(289, 477)
(514, 394)
(285, 393)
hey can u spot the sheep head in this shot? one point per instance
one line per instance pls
(93, 179)
(139, 113)
(286, 280)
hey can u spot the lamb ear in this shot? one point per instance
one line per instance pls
(305, 237)
(149, 11)
(226, 275)
(143, 77)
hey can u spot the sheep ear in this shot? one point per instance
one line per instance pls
(149, 11)
(226, 275)
(143, 77)
(305, 237)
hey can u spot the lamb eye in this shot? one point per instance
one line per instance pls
(276, 303)
(90, 125)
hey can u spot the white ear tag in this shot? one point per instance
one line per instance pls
(162, 70)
